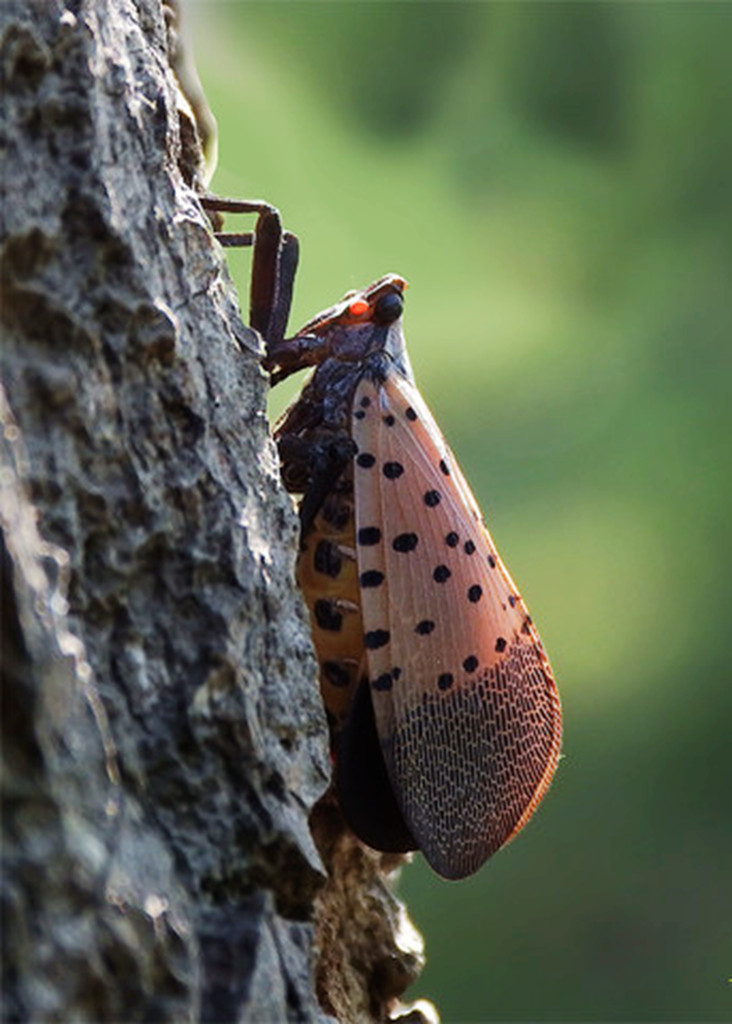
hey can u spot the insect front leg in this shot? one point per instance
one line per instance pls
(293, 354)
(274, 264)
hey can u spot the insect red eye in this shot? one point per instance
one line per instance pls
(358, 308)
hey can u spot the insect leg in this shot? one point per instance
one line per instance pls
(273, 267)
(293, 354)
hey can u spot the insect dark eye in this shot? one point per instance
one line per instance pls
(388, 308)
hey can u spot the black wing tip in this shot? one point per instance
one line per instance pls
(455, 865)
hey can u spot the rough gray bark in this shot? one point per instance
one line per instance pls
(173, 878)
(163, 738)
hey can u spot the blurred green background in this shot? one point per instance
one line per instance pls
(554, 181)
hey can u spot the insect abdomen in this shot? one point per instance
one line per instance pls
(328, 576)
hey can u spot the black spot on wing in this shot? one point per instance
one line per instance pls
(368, 535)
(393, 470)
(376, 638)
(371, 578)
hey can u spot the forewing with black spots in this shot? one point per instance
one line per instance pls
(465, 704)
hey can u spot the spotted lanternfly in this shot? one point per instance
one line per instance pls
(445, 716)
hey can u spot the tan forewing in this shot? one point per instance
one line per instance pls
(465, 703)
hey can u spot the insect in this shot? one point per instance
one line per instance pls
(444, 712)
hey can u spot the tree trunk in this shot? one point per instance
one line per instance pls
(163, 736)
